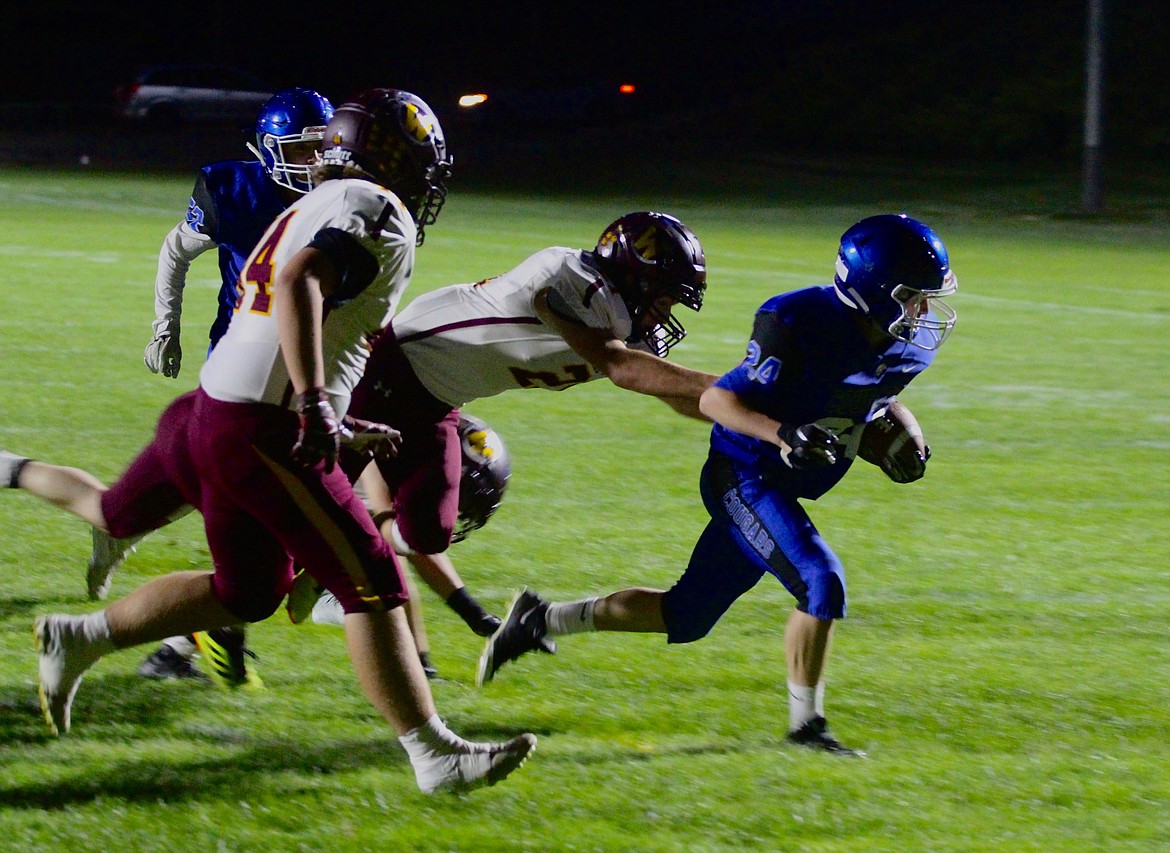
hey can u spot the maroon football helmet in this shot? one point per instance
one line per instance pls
(395, 138)
(647, 256)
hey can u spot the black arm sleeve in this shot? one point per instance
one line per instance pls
(776, 340)
(355, 264)
(202, 214)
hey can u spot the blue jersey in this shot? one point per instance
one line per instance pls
(810, 360)
(233, 203)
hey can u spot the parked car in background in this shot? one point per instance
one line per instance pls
(171, 95)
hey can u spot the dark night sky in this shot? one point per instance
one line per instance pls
(833, 69)
(52, 47)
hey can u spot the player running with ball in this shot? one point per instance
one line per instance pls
(822, 363)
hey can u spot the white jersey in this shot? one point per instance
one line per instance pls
(469, 341)
(246, 365)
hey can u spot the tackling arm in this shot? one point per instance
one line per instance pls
(634, 370)
(725, 407)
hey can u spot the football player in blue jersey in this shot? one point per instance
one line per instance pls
(821, 364)
(232, 204)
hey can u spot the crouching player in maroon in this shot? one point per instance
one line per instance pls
(254, 447)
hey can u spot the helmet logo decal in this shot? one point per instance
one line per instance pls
(478, 441)
(645, 243)
(417, 123)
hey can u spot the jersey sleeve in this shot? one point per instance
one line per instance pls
(583, 300)
(563, 308)
(356, 266)
(202, 211)
(771, 351)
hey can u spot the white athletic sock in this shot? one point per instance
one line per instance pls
(185, 646)
(571, 617)
(440, 757)
(819, 700)
(431, 738)
(801, 705)
(10, 465)
(96, 630)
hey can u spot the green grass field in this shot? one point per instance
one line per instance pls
(1005, 662)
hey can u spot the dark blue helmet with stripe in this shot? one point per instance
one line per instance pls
(896, 270)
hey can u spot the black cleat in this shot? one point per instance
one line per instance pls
(523, 630)
(427, 666)
(815, 735)
(166, 663)
(486, 625)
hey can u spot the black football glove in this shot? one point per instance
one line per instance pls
(369, 438)
(812, 446)
(319, 436)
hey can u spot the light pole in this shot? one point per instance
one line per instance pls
(1092, 197)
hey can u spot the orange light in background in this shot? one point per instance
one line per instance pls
(472, 100)
(626, 88)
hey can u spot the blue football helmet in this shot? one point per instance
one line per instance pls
(484, 477)
(646, 256)
(895, 270)
(292, 117)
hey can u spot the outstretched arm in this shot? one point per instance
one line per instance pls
(679, 387)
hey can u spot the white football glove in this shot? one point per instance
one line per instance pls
(164, 354)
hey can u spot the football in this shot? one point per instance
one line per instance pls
(893, 441)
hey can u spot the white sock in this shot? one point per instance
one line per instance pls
(571, 617)
(96, 630)
(10, 465)
(430, 739)
(185, 646)
(93, 632)
(819, 700)
(801, 705)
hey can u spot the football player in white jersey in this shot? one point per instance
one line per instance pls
(254, 447)
(562, 317)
